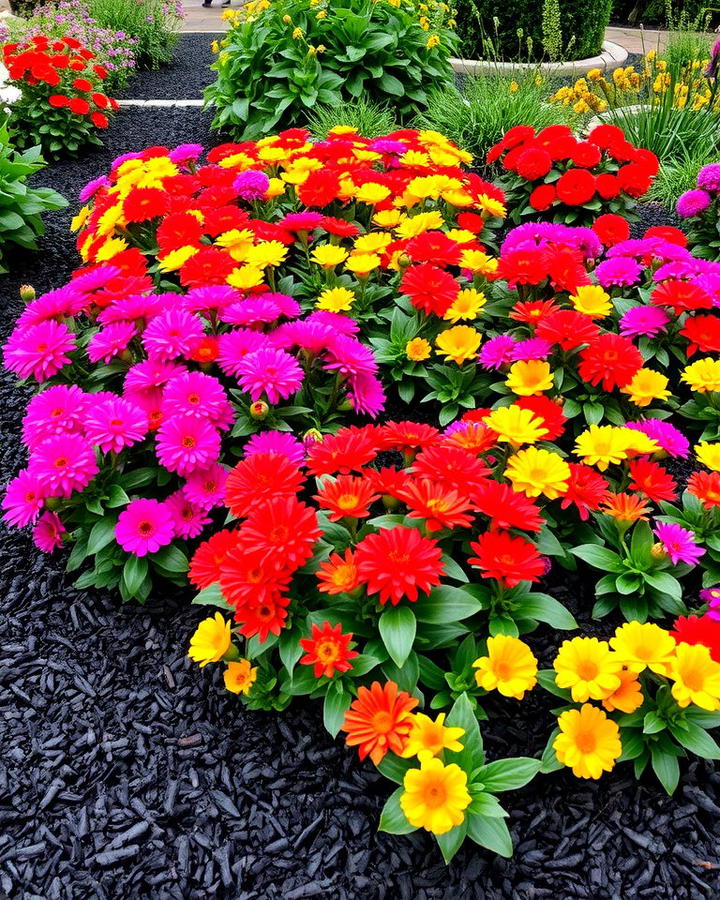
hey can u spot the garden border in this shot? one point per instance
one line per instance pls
(612, 56)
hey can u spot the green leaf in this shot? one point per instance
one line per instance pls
(134, 572)
(696, 740)
(394, 767)
(508, 774)
(397, 629)
(652, 723)
(486, 805)
(462, 715)
(450, 842)
(599, 557)
(666, 768)
(103, 532)
(547, 609)
(170, 559)
(337, 703)
(212, 596)
(491, 833)
(446, 604)
(116, 496)
(392, 818)
(549, 761)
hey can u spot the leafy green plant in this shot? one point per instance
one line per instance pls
(670, 133)
(674, 178)
(155, 25)
(365, 117)
(280, 60)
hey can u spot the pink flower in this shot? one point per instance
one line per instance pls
(303, 221)
(337, 321)
(144, 526)
(110, 342)
(186, 153)
(150, 401)
(621, 271)
(276, 442)
(271, 372)
(133, 308)
(349, 357)
(209, 296)
(55, 410)
(252, 311)
(668, 437)
(678, 543)
(366, 394)
(196, 394)
(64, 463)
(531, 348)
(206, 487)
(188, 518)
(40, 350)
(115, 423)
(172, 334)
(711, 596)
(64, 301)
(186, 443)
(151, 374)
(48, 532)
(24, 497)
(235, 346)
(497, 352)
(643, 320)
(310, 335)
(92, 187)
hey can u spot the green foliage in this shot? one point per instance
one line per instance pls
(489, 105)
(155, 24)
(367, 118)
(674, 178)
(21, 206)
(670, 133)
(278, 64)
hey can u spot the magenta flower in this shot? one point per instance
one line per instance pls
(711, 596)
(133, 308)
(709, 177)
(24, 498)
(173, 333)
(618, 272)
(196, 394)
(531, 348)
(186, 153)
(64, 463)
(678, 543)
(144, 526)
(151, 373)
(269, 371)
(57, 304)
(366, 394)
(188, 518)
(348, 356)
(310, 334)
(206, 487)
(643, 320)
(672, 441)
(209, 297)
(40, 350)
(253, 311)
(48, 532)
(692, 203)
(281, 442)
(92, 187)
(186, 443)
(252, 184)
(53, 411)
(235, 346)
(115, 423)
(337, 321)
(110, 342)
(497, 352)
(302, 221)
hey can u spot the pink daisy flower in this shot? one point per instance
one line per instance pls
(115, 423)
(303, 221)
(186, 153)
(643, 320)
(48, 532)
(669, 438)
(196, 394)
(92, 280)
(92, 187)
(206, 487)
(150, 401)
(24, 498)
(253, 311)
(55, 410)
(620, 272)
(40, 350)
(531, 348)
(57, 304)
(151, 374)
(310, 335)
(288, 307)
(271, 372)
(189, 520)
(497, 352)
(366, 394)
(144, 526)
(349, 357)
(172, 334)
(282, 442)
(678, 543)
(337, 321)
(210, 297)
(64, 463)
(138, 308)
(186, 443)
(111, 341)
(235, 346)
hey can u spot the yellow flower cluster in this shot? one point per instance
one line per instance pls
(212, 642)
(601, 445)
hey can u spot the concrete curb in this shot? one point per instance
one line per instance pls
(611, 57)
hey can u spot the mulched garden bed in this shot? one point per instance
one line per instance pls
(127, 772)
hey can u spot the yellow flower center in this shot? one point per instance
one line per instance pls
(435, 795)
(327, 651)
(586, 742)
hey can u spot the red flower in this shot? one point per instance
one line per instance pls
(698, 630)
(586, 154)
(397, 563)
(507, 508)
(607, 136)
(348, 495)
(208, 266)
(471, 222)
(282, 532)
(607, 185)
(474, 438)
(634, 179)
(611, 229)
(347, 451)
(542, 197)
(610, 359)
(247, 580)
(546, 409)
(438, 506)
(208, 558)
(706, 487)
(429, 288)
(402, 435)
(652, 479)
(338, 574)
(58, 100)
(508, 559)
(452, 468)
(339, 227)
(566, 269)
(533, 163)
(703, 332)
(259, 477)
(82, 84)
(586, 490)
(143, 204)
(433, 246)
(99, 99)
(99, 120)
(532, 311)
(667, 233)
(327, 650)
(567, 328)
(320, 188)
(379, 720)
(266, 618)
(681, 296)
(388, 481)
(575, 187)
(79, 106)
(518, 134)
(178, 230)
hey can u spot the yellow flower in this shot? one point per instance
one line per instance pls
(432, 41)
(529, 377)
(387, 218)
(535, 471)
(428, 737)
(491, 206)
(601, 445)
(371, 243)
(509, 668)
(640, 646)
(466, 305)
(708, 454)
(240, 676)
(363, 264)
(478, 262)
(337, 299)
(237, 242)
(371, 192)
(514, 87)
(110, 248)
(418, 349)
(435, 796)
(588, 667)
(245, 277)
(266, 253)
(515, 425)
(173, 260)
(80, 219)
(696, 676)
(591, 300)
(412, 226)
(328, 255)
(703, 376)
(638, 443)
(211, 640)
(459, 343)
(646, 385)
(588, 743)
(297, 33)
(628, 697)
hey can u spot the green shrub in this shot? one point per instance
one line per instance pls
(514, 29)
(489, 106)
(155, 24)
(368, 119)
(282, 58)
(674, 178)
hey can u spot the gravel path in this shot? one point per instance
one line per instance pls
(126, 772)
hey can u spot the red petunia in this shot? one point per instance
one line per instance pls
(208, 558)
(398, 563)
(610, 359)
(259, 477)
(586, 490)
(507, 559)
(327, 650)
(507, 508)
(652, 479)
(347, 495)
(698, 630)
(429, 288)
(611, 229)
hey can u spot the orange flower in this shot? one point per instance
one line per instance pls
(532, 311)
(706, 487)
(625, 507)
(327, 650)
(338, 575)
(441, 507)
(379, 720)
(347, 495)
(628, 697)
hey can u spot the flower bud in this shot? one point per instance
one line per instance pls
(658, 551)
(259, 410)
(27, 293)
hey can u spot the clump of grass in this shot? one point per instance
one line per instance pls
(672, 134)
(370, 119)
(674, 178)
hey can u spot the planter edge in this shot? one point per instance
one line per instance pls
(611, 57)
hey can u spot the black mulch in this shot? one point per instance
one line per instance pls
(127, 772)
(185, 79)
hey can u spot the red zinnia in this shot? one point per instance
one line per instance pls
(698, 630)
(507, 508)
(586, 490)
(611, 359)
(397, 563)
(452, 468)
(282, 532)
(611, 229)
(542, 197)
(532, 311)
(99, 120)
(567, 328)
(143, 204)
(266, 618)
(652, 479)
(681, 296)
(575, 187)
(402, 435)
(533, 163)
(79, 106)
(379, 720)
(58, 100)
(338, 574)
(320, 188)
(429, 288)
(259, 477)
(433, 246)
(508, 559)
(209, 556)
(347, 495)
(327, 650)
(703, 332)
(439, 507)
(208, 266)
(667, 233)
(348, 450)
(82, 84)
(546, 409)
(608, 187)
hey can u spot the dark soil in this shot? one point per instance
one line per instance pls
(185, 79)
(127, 772)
